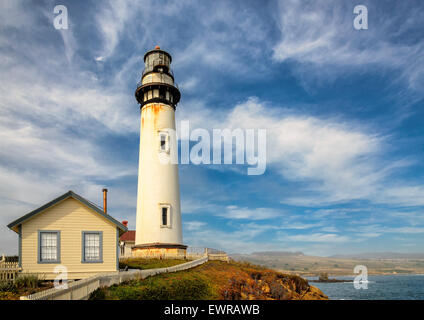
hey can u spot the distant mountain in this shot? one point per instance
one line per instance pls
(380, 255)
(277, 253)
(364, 255)
(299, 263)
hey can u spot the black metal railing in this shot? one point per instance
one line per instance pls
(140, 84)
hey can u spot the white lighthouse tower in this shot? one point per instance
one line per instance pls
(158, 227)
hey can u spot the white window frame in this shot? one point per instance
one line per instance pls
(169, 216)
(83, 255)
(40, 253)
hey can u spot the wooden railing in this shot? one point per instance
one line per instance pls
(192, 253)
(9, 270)
(213, 254)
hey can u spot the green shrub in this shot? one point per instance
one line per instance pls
(166, 288)
(6, 286)
(26, 281)
(99, 294)
(140, 263)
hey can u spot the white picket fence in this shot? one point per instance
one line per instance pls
(192, 253)
(8, 270)
(198, 252)
(81, 290)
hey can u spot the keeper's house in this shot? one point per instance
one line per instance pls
(69, 231)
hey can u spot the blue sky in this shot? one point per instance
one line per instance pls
(343, 109)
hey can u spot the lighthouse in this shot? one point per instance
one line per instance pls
(158, 222)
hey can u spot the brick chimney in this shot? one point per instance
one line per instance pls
(105, 200)
(125, 223)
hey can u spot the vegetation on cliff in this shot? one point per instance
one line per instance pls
(215, 280)
(140, 263)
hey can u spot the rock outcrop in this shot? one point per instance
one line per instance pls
(253, 284)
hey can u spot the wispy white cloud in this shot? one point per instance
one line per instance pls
(241, 239)
(194, 225)
(317, 237)
(321, 34)
(381, 229)
(235, 212)
(111, 21)
(339, 160)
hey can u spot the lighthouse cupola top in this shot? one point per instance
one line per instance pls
(157, 81)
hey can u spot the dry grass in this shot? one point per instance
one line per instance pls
(140, 263)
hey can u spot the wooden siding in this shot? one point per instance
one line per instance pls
(70, 217)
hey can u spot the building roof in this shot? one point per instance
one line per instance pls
(128, 236)
(70, 194)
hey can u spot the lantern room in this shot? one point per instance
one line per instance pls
(157, 82)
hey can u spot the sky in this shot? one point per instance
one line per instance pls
(343, 110)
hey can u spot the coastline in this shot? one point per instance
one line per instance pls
(314, 275)
(379, 287)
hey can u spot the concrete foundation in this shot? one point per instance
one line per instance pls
(159, 251)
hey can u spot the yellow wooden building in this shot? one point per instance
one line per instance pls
(68, 234)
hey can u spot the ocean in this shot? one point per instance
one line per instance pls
(390, 287)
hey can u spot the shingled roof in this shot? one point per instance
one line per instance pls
(128, 236)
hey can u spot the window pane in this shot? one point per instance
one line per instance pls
(164, 216)
(163, 138)
(48, 246)
(91, 246)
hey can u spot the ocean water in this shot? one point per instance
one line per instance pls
(391, 287)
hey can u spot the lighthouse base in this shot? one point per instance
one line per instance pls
(159, 251)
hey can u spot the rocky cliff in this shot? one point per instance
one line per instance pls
(216, 280)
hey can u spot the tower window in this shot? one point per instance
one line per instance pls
(162, 93)
(165, 215)
(163, 141)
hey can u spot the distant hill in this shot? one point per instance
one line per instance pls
(299, 263)
(380, 255)
(278, 253)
